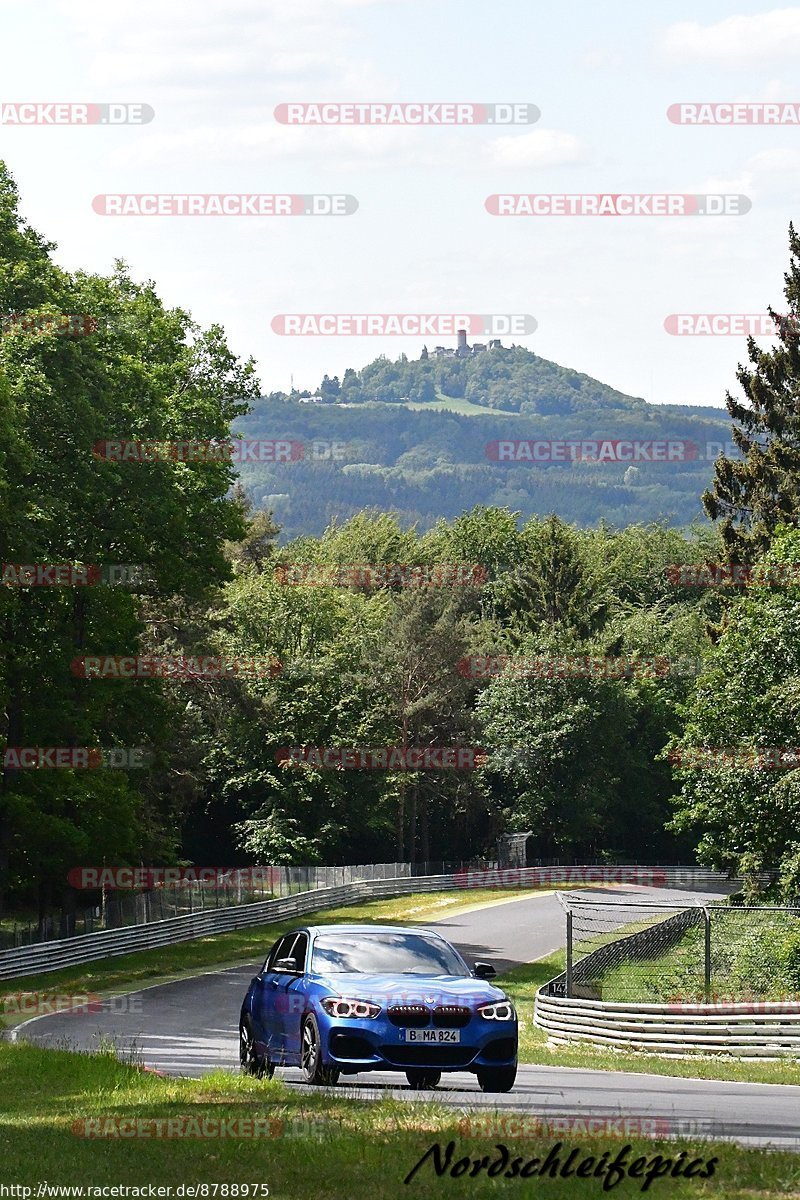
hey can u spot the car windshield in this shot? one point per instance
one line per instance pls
(385, 953)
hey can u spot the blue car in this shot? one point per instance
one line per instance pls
(341, 999)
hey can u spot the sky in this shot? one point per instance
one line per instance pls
(422, 240)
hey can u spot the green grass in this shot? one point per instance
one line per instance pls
(146, 967)
(457, 404)
(319, 1146)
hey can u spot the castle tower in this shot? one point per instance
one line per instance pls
(462, 347)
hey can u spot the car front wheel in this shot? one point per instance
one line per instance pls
(421, 1080)
(311, 1056)
(251, 1062)
(496, 1079)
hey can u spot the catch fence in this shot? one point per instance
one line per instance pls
(643, 951)
(118, 909)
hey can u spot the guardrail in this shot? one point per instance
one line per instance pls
(768, 1029)
(110, 943)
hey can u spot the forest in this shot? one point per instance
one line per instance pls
(608, 664)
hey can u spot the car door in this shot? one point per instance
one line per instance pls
(271, 1000)
(294, 996)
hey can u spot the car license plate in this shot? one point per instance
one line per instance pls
(431, 1035)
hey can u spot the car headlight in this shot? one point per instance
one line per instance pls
(499, 1010)
(337, 1006)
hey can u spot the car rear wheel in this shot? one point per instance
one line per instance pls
(311, 1056)
(421, 1080)
(250, 1061)
(496, 1079)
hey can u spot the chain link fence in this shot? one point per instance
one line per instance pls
(118, 909)
(674, 952)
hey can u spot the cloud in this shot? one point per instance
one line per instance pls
(540, 148)
(737, 40)
(247, 43)
(344, 149)
(601, 59)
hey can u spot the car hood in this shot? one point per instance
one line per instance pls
(412, 989)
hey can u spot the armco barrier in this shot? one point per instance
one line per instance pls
(768, 1029)
(110, 943)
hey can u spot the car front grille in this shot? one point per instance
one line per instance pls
(451, 1016)
(409, 1016)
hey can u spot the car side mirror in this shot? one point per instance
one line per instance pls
(484, 970)
(287, 966)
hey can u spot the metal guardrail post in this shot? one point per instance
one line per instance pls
(569, 953)
(707, 956)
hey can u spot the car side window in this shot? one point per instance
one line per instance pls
(298, 952)
(281, 949)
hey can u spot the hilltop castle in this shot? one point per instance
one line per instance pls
(462, 350)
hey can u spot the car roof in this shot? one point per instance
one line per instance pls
(315, 929)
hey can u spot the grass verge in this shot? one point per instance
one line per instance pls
(312, 1144)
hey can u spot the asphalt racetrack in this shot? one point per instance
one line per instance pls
(191, 1027)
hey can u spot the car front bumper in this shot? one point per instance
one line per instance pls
(362, 1045)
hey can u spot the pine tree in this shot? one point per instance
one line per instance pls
(753, 495)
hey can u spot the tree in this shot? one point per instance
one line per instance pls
(147, 373)
(425, 702)
(573, 760)
(746, 814)
(752, 496)
(558, 583)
